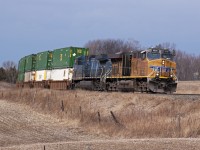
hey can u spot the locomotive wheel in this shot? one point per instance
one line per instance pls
(112, 86)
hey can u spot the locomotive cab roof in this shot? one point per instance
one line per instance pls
(157, 53)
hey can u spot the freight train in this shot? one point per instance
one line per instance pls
(152, 70)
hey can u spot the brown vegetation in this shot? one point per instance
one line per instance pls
(125, 115)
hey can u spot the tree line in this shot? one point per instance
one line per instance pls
(188, 67)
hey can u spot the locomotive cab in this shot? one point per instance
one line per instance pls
(161, 70)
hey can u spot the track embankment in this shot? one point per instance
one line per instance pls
(49, 119)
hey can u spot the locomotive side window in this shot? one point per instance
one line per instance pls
(143, 55)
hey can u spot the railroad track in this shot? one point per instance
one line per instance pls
(173, 94)
(186, 94)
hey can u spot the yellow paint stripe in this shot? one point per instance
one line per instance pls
(36, 75)
(45, 75)
(136, 77)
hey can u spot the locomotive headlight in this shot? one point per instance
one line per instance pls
(171, 75)
(163, 62)
(157, 74)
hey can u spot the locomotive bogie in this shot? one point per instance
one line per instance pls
(127, 85)
(158, 85)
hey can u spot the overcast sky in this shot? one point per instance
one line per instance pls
(32, 26)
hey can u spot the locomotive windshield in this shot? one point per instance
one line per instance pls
(154, 54)
(167, 55)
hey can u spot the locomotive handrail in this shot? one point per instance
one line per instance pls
(108, 72)
(103, 78)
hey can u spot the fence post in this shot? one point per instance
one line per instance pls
(114, 118)
(20, 93)
(34, 96)
(99, 117)
(48, 102)
(80, 110)
(62, 106)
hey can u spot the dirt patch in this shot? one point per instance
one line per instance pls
(19, 124)
(125, 144)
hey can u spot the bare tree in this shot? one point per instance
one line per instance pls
(166, 45)
(2, 74)
(110, 46)
(187, 66)
(10, 71)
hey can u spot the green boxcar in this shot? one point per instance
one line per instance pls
(64, 57)
(30, 63)
(43, 60)
(21, 65)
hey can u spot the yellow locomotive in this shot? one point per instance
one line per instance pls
(151, 70)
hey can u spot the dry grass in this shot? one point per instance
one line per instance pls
(134, 115)
(5, 85)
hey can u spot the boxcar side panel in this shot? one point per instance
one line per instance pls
(61, 74)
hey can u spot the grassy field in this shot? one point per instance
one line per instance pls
(112, 115)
